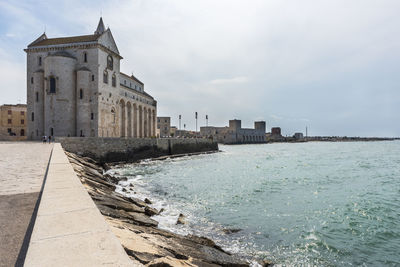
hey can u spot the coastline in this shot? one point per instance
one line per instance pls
(130, 220)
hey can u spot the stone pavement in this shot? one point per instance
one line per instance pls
(22, 169)
(69, 229)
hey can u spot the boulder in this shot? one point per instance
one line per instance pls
(181, 219)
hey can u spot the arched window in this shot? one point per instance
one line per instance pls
(110, 62)
(52, 85)
(105, 76)
(40, 61)
(113, 114)
(51, 131)
(37, 96)
(80, 93)
(22, 132)
(33, 116)
(114, 80)
(85, 57)
(31, 79)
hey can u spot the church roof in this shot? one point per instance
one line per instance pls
(132, 77)
(100, 27)
(66, 40)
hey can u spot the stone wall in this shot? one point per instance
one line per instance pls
(106, 150)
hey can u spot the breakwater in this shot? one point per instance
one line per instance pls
(106, 150)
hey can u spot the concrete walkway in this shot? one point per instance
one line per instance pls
(69, 229)
(22, 169)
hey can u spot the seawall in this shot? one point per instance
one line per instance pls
(107, 150)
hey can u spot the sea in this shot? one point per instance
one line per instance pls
(295, 204)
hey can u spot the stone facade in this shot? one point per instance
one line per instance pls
(134, 149)
(163, 126)
(75, 88)
(235, 134)
(13, 122)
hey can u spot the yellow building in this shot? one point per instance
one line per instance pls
(13, 122)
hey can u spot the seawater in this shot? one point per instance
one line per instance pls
(312, 204)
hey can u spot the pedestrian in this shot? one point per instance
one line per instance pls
(44, 139)
(49, 139)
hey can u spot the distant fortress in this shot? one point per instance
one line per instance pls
(235, 134)
(75, 88)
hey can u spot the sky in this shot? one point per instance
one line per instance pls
(331, 66)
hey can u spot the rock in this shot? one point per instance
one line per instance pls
(150, 211)
(123, 178)
(267, 263)
(147, 201)
(131, 217)
(170, 262)
(229, 231)
(161, 210)
(181, 219)
(131, 185)
(123, 189)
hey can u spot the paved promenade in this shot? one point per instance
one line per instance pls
(22, 169)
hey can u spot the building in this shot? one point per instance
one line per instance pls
(163, 126)
(13, 122)
(235, 134)
(75, 88)
(173, 131)
(298, 136)
(276, 131)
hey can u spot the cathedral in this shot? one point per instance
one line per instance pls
(75, 88)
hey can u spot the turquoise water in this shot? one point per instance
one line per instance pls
(325, 204)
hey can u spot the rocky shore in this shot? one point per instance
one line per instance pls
(130, 220)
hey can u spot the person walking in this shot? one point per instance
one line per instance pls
(44, 139)
(49, 139)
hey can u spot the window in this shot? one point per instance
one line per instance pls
(114, 80)
(110, 62)
(81, 93)
(9, 121)
(85, 57)
(37, 96)
(91, 116)
(92, 78)
(33, 116)
(105, 76)
(40, 61)
(124, 82)
(22, 112)
(81, 135)
(22, 121)
(52, 85)
(9, 130)
(113, 114)
(9, 112)
(31, 79)
(51, 131)
(22, 133)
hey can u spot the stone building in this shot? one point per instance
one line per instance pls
(75, 88)
(235, 134)
(163, 126)
(13, 122)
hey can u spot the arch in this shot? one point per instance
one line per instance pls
(113, 114)
(84, 56)
(114, 80)
(129, 119)
(110, 62)
(122, 118)
(105, 76)
(134, 120)
(33, 116)
(154, 123)
(145, 126)
(52, 85)
(140, 122)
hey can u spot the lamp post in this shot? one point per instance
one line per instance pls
(195, 115)
(180, 117)
(207, 120)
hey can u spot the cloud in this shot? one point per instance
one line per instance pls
(229, 81)
(329, 64)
